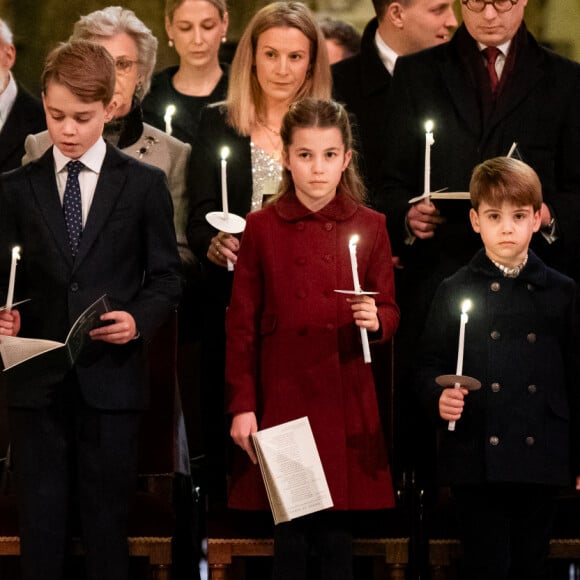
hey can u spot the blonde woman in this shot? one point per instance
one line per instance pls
(197, 29)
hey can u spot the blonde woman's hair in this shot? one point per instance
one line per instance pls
(244, 101)
(321, 114)
(172, 5)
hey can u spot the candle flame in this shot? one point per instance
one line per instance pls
(466, 306)
(169, 112)
(353, 240)
(225, 152)
(429, 126)
(16, 252)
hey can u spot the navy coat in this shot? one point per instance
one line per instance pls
(520, 343)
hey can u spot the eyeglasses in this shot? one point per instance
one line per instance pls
(499, 5)
(124, 65)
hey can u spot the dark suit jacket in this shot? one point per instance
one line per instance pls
(128, 251)
(26, 117)
(520, 343)
(362, 83)
(537, 109)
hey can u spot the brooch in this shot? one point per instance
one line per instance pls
(149, 141)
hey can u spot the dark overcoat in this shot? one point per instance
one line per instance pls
(293, 349)
(362, 82)
(25, 117)
(520, 427)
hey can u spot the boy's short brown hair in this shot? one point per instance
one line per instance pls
(504, 179)
(85, 68)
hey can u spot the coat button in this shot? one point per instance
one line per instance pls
(300, 261)
(531, 338)
(494, 440)
(74, 287)
(495, 334)
(328, 226)
(327, 258)
(530, 287)
(532, 389)
(495, 286)
(530, 441)
(300, 226)
(329, 327)
(301, 294)
(495, 387)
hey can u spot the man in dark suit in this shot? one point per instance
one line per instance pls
(362, 81)
(20, 112)
(90, 221)
(530, 99)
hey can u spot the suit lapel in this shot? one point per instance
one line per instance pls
(462, 87)
(46, 193)
(527, 72)
(109, 186)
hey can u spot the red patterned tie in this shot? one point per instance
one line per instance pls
(491, 53)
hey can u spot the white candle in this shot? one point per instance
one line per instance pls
(169, 112)
(364, 337)
(12, 280)
(428, 142)
(225, 153)
(465, 306)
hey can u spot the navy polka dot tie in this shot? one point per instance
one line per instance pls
(72, 205)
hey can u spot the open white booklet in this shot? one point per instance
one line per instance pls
(291, 468)
(16, 350)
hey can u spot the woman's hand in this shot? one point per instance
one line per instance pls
(223, 247)
(243, 425)
(364, 312)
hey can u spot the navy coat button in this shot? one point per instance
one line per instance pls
(532, 389)
(494, 440)
(531, 337)
(495, 387)
(74, 287)
(530, 441)
(495, 334)
(495, 286)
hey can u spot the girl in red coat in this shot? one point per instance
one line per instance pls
(293, 344)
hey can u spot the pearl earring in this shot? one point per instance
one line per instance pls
(224, 39)
(170, 43)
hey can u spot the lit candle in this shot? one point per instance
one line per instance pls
(428, 142)
(10, 295)
(225, 151)
(364, 337)
(465, 306)
(169, 112)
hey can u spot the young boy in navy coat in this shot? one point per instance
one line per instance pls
(78, 436)
(514, 437)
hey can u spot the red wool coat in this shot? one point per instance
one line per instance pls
(294, 350)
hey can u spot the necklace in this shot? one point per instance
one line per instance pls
(273, 131)
(275, 141)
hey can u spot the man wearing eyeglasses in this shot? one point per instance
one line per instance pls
(481, 102)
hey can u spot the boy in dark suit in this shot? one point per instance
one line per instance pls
(514, 437)
(102, 226)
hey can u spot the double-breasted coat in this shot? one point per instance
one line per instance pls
(520, 427)
(294, 350)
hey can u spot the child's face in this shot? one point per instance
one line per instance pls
(74, 126)
(316, 159)
(506, 231)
